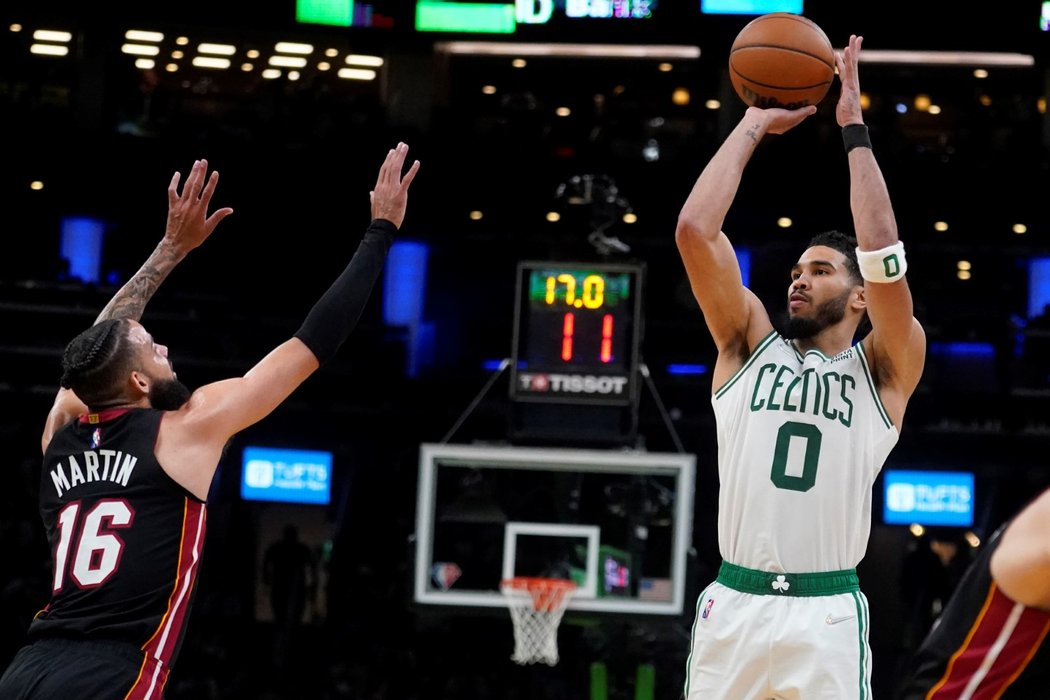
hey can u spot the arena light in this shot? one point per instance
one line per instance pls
(294, 48)
(217, 49)
(52, 35)
(211, 62)
(143, 35)
(948, 58)
(288, 61)
(140, 49)
(499, 48)
(355, 59)
(357, 74)
(49, 50)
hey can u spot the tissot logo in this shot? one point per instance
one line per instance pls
(571, 383)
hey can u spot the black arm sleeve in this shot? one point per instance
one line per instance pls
(336, 313)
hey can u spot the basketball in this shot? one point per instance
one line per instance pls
(781, 60)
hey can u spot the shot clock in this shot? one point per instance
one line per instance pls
(577, 329)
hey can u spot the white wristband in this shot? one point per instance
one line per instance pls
(885, 265)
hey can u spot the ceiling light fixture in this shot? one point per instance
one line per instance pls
(493, 48)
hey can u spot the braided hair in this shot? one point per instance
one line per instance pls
(97, 360)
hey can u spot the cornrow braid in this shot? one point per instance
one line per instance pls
(94, 361)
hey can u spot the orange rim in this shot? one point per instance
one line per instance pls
(547, 593)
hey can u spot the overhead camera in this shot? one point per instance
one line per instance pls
(599, 198)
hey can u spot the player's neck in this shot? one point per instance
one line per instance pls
(118, 403)
(828, 342)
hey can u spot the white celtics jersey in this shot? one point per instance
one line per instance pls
(800, 443)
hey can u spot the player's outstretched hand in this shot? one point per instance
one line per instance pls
(779, 120)
(188, 222)
(848, 109)
(390, 196)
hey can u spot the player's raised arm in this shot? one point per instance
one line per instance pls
(188, 226)
(224, 408)
(735, 318)
(897, 344)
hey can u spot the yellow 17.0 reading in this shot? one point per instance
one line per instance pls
(593, 290)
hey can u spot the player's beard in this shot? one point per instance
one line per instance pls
(168, 394)
(828, 314)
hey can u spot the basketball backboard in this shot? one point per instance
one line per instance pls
(617, 522)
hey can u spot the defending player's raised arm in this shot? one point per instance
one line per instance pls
(1021, 563)
(733, 314)
(188, 225)
(897, 344)
(224, 408)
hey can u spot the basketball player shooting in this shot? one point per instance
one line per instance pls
(130, 453)
(806, 414)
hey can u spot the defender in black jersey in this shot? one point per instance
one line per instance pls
(991, 640)
(130, 453)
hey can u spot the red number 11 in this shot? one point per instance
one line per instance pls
(568, 327)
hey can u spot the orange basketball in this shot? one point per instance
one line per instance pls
(781, 60)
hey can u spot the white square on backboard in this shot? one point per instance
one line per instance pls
(592, 533)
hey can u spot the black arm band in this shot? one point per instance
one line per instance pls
(855, 136)
(336, 313)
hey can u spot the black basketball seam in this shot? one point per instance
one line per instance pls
(781, 87)
(792, 49)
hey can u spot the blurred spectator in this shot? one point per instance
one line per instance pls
(290, 571)
(930, 574)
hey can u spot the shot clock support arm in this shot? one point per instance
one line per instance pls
(504, 363)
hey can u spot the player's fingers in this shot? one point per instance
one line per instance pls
(397, 162)
(173, 189)
(201, 174)
(409, 176)
(218, 215)
(384, 170)
(209, 186)
(193, 180)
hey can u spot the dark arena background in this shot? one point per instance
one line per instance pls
(559, 143)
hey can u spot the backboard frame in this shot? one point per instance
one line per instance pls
(679, 466)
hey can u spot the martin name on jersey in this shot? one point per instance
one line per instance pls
(102, 465)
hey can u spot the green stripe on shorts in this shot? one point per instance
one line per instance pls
(802, 585)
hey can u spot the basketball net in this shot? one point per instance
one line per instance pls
(536, 608)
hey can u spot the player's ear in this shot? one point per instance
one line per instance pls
(857, 300)
(138, 383)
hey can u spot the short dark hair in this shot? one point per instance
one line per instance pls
(845, 244)
(97, 360)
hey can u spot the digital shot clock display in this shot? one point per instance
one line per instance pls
(577, 329)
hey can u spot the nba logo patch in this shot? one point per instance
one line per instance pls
(444, 574)
(96, 438)
(707, 608)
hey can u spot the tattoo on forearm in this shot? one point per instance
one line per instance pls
(130, 301)
(752, 133)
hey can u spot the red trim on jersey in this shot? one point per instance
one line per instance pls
(102, 416)
(153, 675)
(162, 645)
(1003, 639)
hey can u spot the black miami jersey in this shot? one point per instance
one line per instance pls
(126, 539)
(983, 646)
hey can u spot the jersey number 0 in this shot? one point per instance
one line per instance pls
(778, 474)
